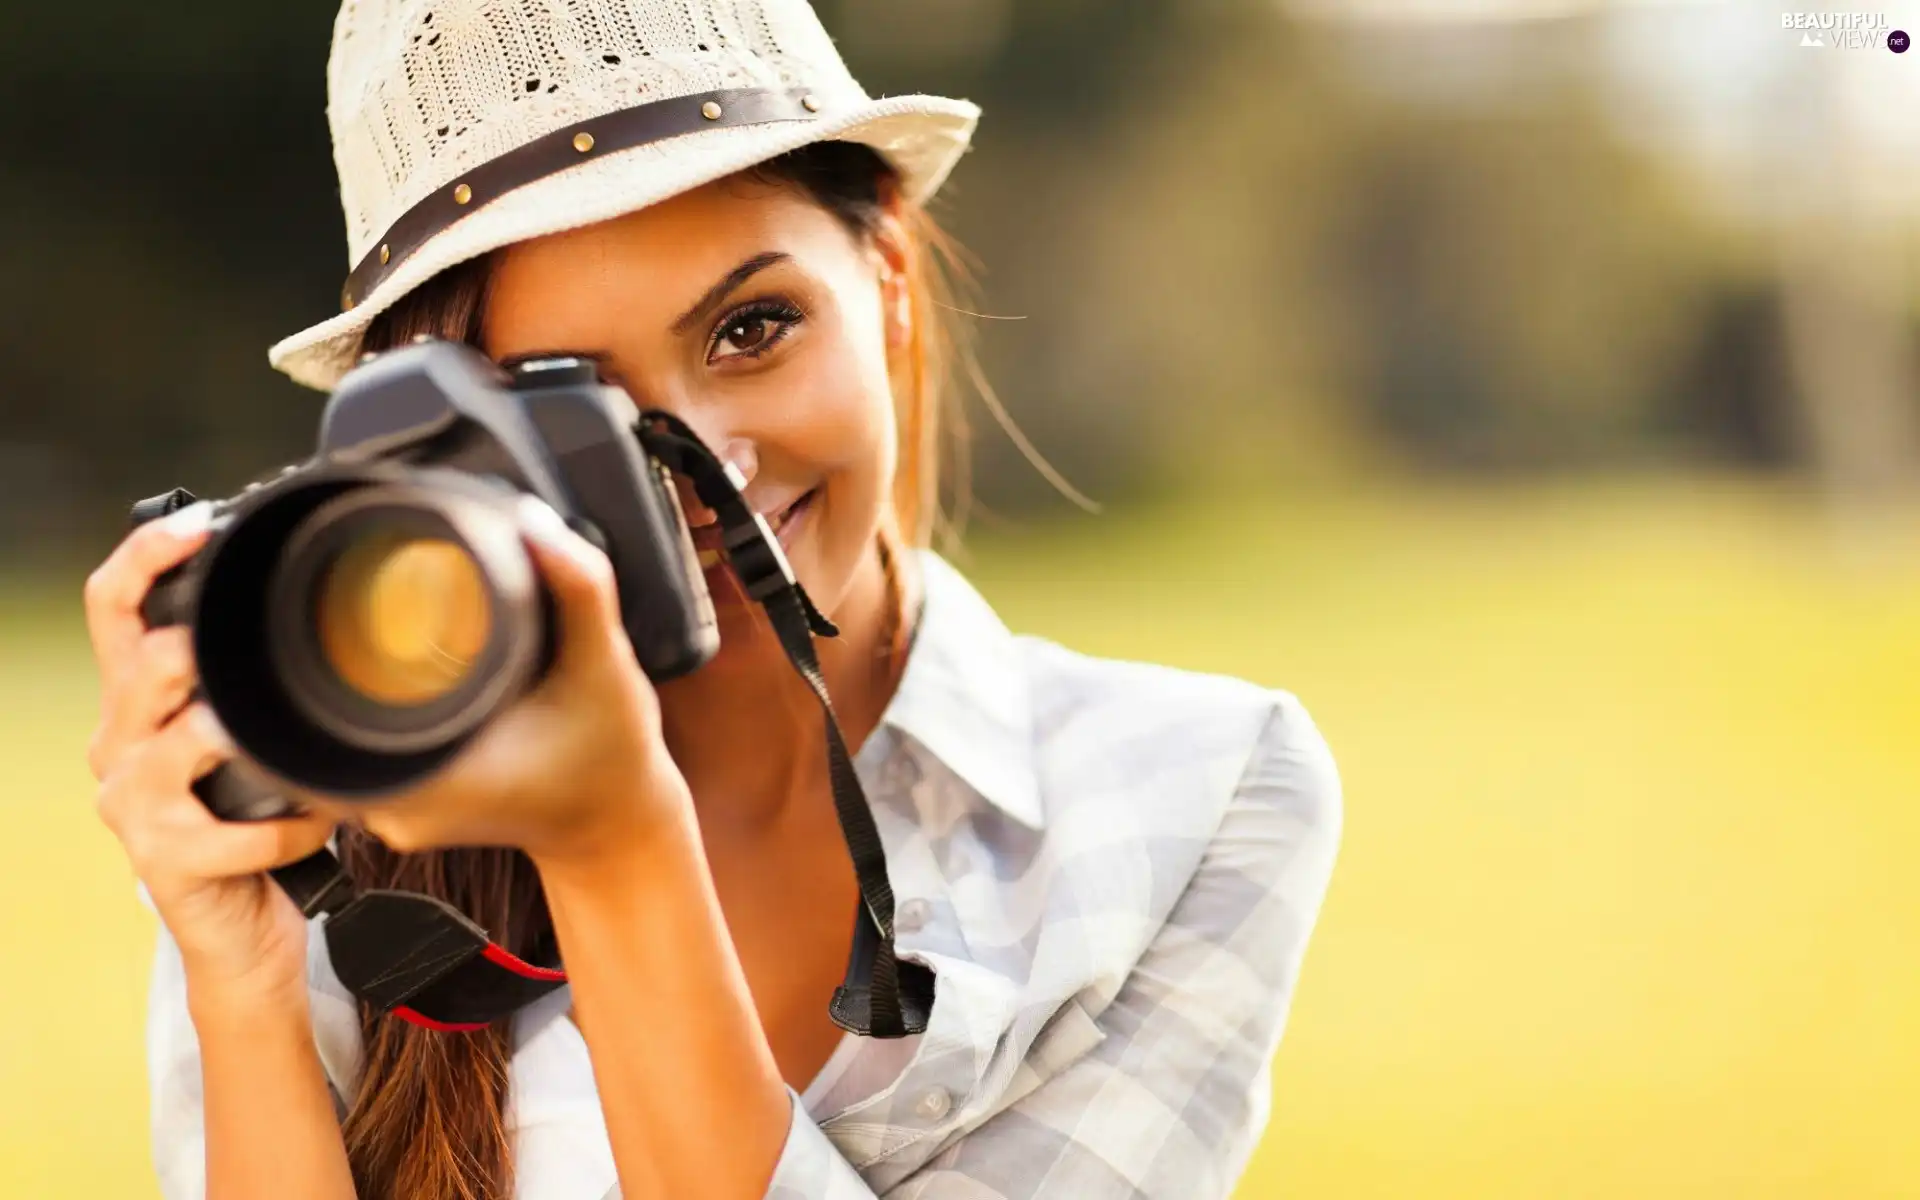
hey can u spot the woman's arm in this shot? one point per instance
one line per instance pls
(271, 1128)
(240, 1103)
(694, 1102)
(226, 927)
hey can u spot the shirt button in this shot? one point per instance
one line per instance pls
(912, 917)
(934, 1104)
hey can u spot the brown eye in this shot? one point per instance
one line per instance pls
(752, 331)
(747, 334)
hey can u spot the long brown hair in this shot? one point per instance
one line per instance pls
(428, 1119)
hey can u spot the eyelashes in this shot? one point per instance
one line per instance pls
(753, 329)
(749, 331)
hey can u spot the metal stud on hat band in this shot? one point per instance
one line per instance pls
(592, 138)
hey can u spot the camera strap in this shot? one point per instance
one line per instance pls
(882, 996)
(425, 962)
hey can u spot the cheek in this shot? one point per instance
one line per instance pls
(848, 398)
(843, 427)
(858, 490)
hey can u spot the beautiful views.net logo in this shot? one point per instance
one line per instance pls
(1846, 31)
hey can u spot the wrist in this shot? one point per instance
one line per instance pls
(224, 998)
(629, 826)
(636, 889)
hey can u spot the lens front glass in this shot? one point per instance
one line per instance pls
(401, 619)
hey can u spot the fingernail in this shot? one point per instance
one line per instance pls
(543, 522)
(189, 521)
(742, 459)
(552, 531)
(209, 727)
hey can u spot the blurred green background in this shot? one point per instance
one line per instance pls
(1527, 384)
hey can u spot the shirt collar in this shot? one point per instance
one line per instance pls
(964, 697)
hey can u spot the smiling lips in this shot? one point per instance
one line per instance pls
(707, 538)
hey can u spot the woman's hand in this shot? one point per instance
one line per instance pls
(239, 936)
(575, 769)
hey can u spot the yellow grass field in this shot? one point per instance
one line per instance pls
(1627, 905)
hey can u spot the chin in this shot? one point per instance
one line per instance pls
(747, 641)
(804, 528)
(398, 836)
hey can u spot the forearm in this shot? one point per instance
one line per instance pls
(694, 1102)
(270, 1125)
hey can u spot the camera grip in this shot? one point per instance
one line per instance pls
(236, 790)
(169, 597)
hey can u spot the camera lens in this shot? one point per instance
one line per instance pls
(403, 615)
(403, 620)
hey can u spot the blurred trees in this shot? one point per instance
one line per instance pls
(1227, 250)
(1847, 289)
(1224, 252)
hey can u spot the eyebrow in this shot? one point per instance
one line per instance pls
(718, 292)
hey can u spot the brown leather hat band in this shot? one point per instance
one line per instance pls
(563, 148)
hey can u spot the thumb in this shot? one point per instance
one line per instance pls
(580, 579)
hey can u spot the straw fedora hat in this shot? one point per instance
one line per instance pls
(461, 126)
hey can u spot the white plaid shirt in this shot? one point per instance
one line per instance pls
(1113, 871)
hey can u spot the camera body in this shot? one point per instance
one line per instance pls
(431, 444)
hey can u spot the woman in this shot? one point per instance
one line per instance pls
(1111, 869)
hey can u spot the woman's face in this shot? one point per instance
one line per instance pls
(753, 314)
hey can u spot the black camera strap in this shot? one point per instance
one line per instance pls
(882, 996)
(424, 961)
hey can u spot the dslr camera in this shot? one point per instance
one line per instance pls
(359, 617)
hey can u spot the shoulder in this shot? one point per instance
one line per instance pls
(1069, 803)
(1181, 747)
(1181, 809)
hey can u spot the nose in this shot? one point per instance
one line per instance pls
(744, 457)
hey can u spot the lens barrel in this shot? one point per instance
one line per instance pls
(356, 631)
(404, 617)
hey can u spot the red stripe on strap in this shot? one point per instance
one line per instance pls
(424, 1022)
(501, 958)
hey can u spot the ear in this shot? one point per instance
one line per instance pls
(892, 252)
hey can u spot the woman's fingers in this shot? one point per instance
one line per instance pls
(148, 691)
(581, 580)
(150, 783)
(117, 586)
(189, 745)
(161, 679)
(229, 849)
(169, 834)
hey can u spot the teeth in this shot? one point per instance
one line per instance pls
(786, 514)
